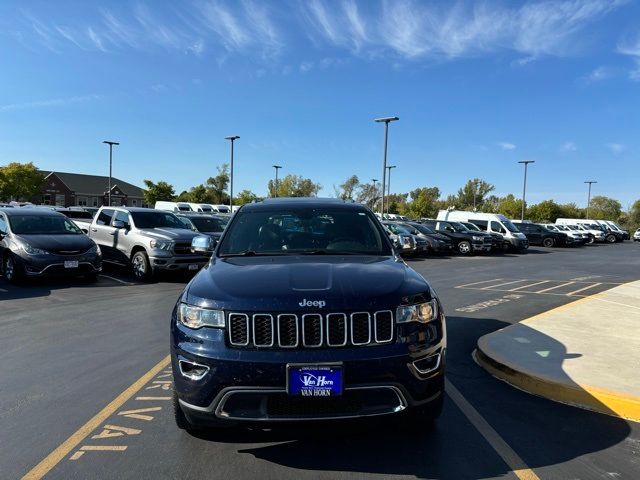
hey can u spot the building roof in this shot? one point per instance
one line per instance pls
(95, 184)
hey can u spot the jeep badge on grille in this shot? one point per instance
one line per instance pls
(312, 303)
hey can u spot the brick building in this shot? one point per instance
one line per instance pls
(75, 189)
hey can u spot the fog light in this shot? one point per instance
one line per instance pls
(427, 364)
(192, 370)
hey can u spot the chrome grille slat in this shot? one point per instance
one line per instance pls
(311, 330)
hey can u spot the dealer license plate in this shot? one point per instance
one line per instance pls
(71, 264)
(314, 380)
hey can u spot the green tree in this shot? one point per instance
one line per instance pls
(369, 195)
(544, 212)
(245, 196)
(294, 186)
(634, 214)
(510, 207)
(347, 190)
(474, 189)
(216, 187)
(424, 203)
(20, 181)
(571, 210)
(158, 192)
(605, 208)
(397, 202)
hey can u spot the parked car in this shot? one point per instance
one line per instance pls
(578, 237)
(499, 242)
(334, 326)
(617, 228)
(466, 241)
(597, 234)
(81, 217)
(404, 244)
(37, 242)
(490, 223)
(147, 240)
(539, 235)
(636, 236)
(438, 243)
(592, 225)
(422, 245)
(212, 225)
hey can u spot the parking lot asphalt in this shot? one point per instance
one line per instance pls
(69, 349)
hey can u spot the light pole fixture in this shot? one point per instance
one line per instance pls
(475, 193)
(524, 188)
(386, 121)
(275, 190)
(232, 138)
(389, 184)
(111, 144)
(590, 182)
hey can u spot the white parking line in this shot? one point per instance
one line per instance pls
(502, 284)
(530, 285)
(116, 279)
(478, 283)
(553, 288)
(584, 288)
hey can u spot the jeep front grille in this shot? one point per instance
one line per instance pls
(311, 330)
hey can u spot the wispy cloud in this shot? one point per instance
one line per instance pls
(631, 47)
(616, 148)
(506, 145)
(54, 102)
(599, 74)
(568, 147)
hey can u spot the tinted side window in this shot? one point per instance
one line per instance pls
(105, 217)
(496, 227)
(122, 217)
(482, 224)
(3, 224)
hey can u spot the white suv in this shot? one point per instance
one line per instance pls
(636, 236)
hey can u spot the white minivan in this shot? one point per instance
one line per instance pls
(489, 222)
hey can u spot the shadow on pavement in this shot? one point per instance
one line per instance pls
(543, 433)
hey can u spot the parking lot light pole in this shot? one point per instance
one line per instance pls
(590, 182)
(386, 121)
(275, 190)
(524, 188)
(111, 144)
(233, 138)
(389, 185)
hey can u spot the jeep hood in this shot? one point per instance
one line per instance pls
(273, 284)
(174, 234)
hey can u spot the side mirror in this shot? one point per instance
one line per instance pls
(203, 245)
(118, 224)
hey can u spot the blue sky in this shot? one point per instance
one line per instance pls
(477, 86)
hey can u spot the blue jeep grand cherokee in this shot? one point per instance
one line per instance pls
(306, 312)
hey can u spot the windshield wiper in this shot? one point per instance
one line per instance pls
(251, 253)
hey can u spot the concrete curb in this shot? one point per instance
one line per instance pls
(582, 396)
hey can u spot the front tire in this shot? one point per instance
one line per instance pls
(548, 242)
(464, 247)
(610, 238)
(12, 269)
(141, 266)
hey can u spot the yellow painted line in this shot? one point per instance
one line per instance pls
(502, 448)
(556, 287)
(502, 284)
(51, 460)
(584, 288)
(478, 283)
(527, 286)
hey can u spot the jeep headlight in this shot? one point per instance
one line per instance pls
(161, 245)
(30, 250)
(95, 249)
(477, 238)
(197, 317)
(421, 312)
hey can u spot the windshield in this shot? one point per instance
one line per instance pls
(42, 225)
(471, 226)
(510, 226)
(304, 231)
(564, 228)
(458, 227)
(397, 229)
(208, 224)
(154, 219)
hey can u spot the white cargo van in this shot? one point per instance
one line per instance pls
(489, 222)
(592, 226)
(173, 206)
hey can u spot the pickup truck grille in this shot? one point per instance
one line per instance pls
(182, 249)
(311, 330)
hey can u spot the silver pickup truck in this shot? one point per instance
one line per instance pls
(148, 240)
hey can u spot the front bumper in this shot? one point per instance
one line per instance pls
(250, 384)
(519, 243)
(178, 262)
(54, 265)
